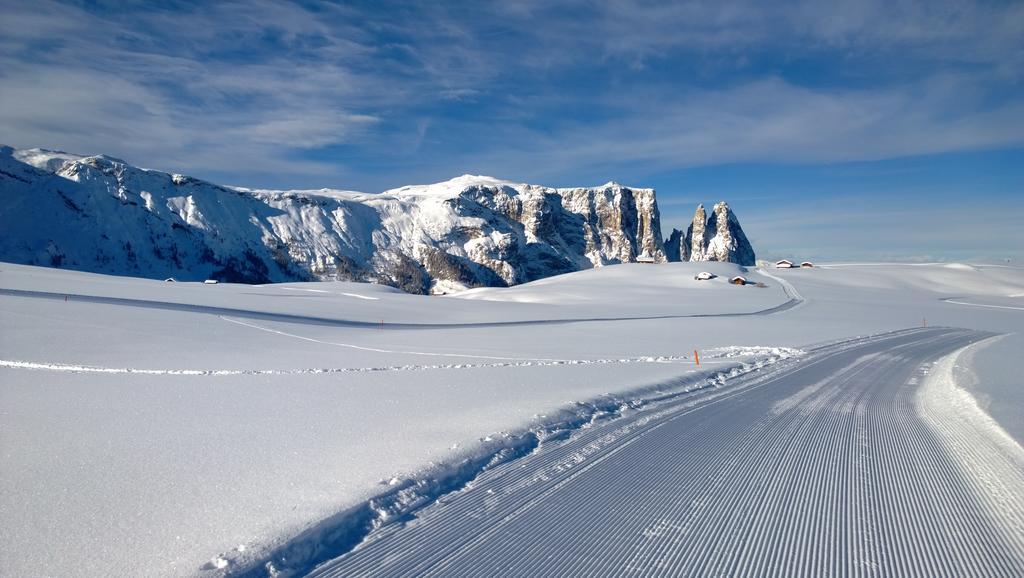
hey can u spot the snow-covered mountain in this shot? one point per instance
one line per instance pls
(102, 214)
(715, 238)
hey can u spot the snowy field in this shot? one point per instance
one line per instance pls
(168, 429)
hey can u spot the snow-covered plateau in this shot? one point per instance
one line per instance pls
(152, 428)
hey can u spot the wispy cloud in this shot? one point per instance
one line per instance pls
(375, 95)
(225, 89)
(768, 120)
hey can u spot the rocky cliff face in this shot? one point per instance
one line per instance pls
(101, 214)
(697, 237)
(729, 244)
(676, 248)
(715, 238)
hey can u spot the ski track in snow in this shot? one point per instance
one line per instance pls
(356, 295)
(377, 350)
(72, 368)
(313, 320)
(847, 477)
(712, 356)
(958, 302)
(715, 352)
(795, 298)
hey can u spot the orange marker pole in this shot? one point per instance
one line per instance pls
(696, 357)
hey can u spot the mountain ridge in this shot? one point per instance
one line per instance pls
(101, 214)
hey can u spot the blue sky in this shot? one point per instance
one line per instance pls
(836, 130)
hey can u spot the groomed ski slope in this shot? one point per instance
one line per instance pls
(822, 468)
(182, 429)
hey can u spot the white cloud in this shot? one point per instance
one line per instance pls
(230, 87)
(765, 121)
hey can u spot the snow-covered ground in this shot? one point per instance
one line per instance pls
(167, 429)
(823, 467)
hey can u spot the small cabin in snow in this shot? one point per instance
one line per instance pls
(784, 264)
(704, 276)
(170, 280)
(645, 259)
(806, 265)
(210, 282)
(738, 280)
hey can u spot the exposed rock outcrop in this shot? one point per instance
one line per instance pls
(675, 247)
(697, 236)
(717, 237)
(729, 244)
(103, 215)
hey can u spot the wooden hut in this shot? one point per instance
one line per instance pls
(806, 265)
(704, 276)
(738, 280)
(784, 264)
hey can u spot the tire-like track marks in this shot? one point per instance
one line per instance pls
(823, 469)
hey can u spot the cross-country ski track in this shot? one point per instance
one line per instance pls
(831, 466)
